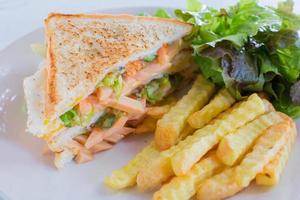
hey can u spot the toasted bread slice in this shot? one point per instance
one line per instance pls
(83, 48)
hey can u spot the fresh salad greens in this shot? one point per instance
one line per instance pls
(161, 13)
(249, 48)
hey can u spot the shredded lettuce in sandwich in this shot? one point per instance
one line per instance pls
(108, 119)
(114, 81)
(157, 89)
(150, 58)
(70, 118)
(249, 48)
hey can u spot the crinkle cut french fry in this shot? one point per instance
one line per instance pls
(235, 179)
(208, 136)
(234, 145)
(161, 167)
(126, 176)
(265, 149)
(269, 106)
(221, 102)
(195, 146)
(188, 130)
(219, 186)
(184, 187)
(172, 123)
(155, 173)
(271, 173)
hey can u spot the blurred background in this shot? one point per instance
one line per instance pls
(19, 17)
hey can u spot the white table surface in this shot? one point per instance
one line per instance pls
(19, 17)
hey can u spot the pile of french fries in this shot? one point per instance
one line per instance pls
(211, 146)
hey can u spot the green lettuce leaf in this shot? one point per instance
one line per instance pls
(150, 58)
(157, 89)
(194, 5)
(289, 19)
(237, 68)
(284, 103)
(70, 118)
(114, 81)
(235, 24)
(210, 69)
(248, 48)
(161, 13)
(249, 17)
(107, 120)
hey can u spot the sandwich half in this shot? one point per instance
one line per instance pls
(100, 74)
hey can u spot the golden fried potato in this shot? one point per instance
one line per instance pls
(269, 106)
(172, 123)
(188, 130)
(184, 187)
(221, 102)
(157, 172)
(161, 167)
(272, 171)
(265, 150)
(147, 126)
(126, 176)
(219, 186)
(197, 145)
(235, 179)
(234, 145)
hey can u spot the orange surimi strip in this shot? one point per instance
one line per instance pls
(102, 146)
(74, 146)
(96, 137)
(151, 71)
(162, 54)
(84, 156)
(104, 93)
(126, 104)
(114, 138)
(126, 130)
(89, 104)
(117, 127)
(81, 139)
(85, 107)
(144, 76)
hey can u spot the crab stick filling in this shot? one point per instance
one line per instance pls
(122, 96)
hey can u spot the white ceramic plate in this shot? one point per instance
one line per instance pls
(26, 174)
